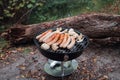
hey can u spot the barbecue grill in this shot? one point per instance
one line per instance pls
(62, 61)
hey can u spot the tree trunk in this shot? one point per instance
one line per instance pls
(95, 26)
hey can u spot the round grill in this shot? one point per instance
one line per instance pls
(59, 54)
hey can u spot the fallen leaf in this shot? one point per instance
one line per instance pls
(105, 77)
(94, 60)
(14, 51)
(20, 49)
(43, 78)
(22, 76)
(17, 77)
(2, 56)
(32, 53)
(14, 59)
(78, 67)
(7, 63)
(22, 67)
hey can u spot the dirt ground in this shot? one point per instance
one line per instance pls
(96, 63)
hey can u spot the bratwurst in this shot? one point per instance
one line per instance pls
(59, 38)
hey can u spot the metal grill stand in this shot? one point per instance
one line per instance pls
(60, 69)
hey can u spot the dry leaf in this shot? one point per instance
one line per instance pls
(32, 53)
(22, 76)
(17, 77)
(43, 78)
(14, 51)
(22, 67)
(7, 63)
(105, 77)
(20, 49)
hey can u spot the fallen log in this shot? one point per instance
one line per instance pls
(106, 41)
(93, 25)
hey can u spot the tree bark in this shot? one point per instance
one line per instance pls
(95, 26)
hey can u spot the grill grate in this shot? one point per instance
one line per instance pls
(77, 47)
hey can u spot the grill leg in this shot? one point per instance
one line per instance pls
(62, 70)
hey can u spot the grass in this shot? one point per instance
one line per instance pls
(26, 50)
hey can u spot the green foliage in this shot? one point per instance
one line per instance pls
(26, 50)
(14, 9)
(55, 9)
(47, 10)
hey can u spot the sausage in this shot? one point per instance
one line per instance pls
(50, 38)
(39, 36)
(67, 42)
(54, 40)
(55, 45)
(72, 43)
(64, 40)
(60, 39)
(41, 39)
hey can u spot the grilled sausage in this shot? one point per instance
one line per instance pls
(60, 39)
(54, 40)
(67, 42)
(39, 36)
(55, 45)
(41, 39)
(64, 40)
(50, 38)
(72, 43)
